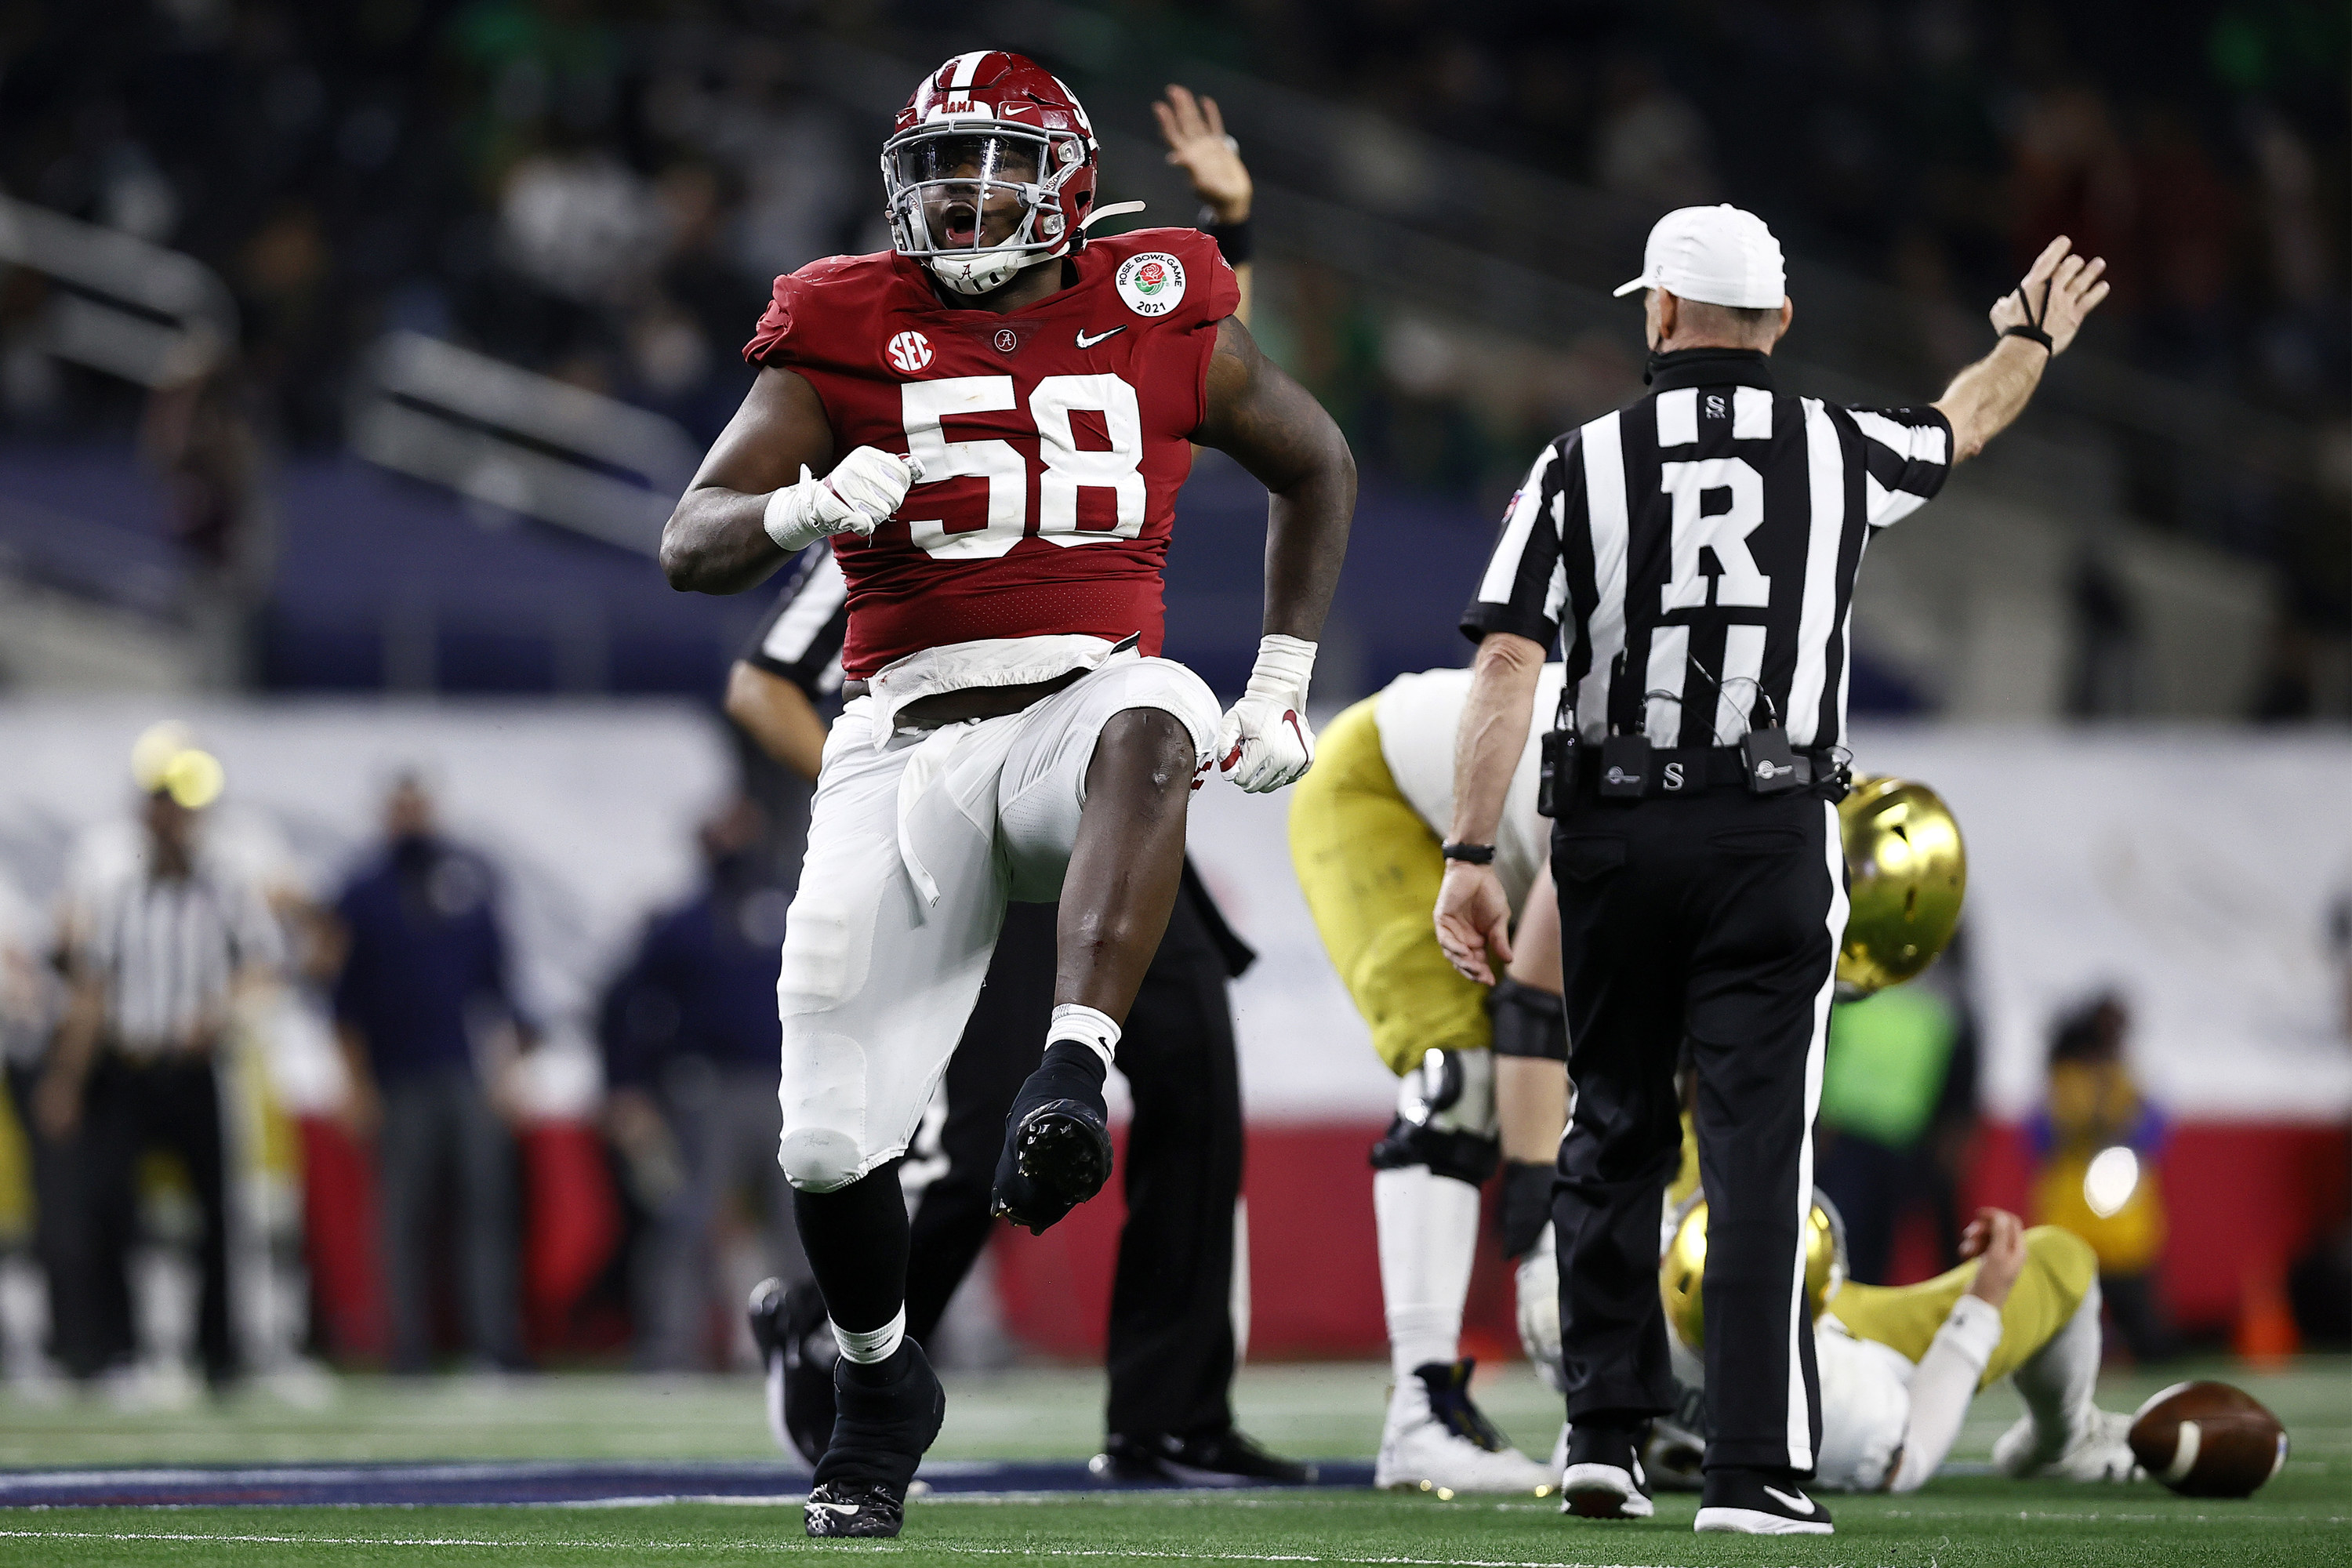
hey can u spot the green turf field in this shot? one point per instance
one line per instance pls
(2303, 1518)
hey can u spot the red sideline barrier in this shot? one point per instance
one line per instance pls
(2244, 1198)
(571, 1224)
(1314, 1271)
(339, 1232)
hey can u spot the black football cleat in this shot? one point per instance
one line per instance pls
(797, 1351)
(1602, 1478)
(1226, 1459)
(1759, 1502)
(1058, 1150)
(888, 1414)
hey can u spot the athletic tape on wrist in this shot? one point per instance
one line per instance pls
(1085, 1026)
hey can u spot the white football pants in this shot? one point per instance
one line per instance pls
(914, 846)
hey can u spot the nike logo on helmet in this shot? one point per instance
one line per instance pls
(1801, 1503)
(1086, 343)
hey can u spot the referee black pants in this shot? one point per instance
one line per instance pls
(1171, 1331)
(130, 1106)
(1715, 918)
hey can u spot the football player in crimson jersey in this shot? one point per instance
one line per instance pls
(991, 421)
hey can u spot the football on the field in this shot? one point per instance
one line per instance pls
(2208, 1440)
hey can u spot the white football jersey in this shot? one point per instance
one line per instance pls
(1417, 716)
(1865, 1408)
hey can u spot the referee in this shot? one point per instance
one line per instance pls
(164, 946)
(1172, 1344)
(1695, 554)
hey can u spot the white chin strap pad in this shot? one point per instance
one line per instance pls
(981, 272)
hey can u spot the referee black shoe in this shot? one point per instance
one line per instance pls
(890, 1412)
(797, 1351)
(1228, 1459)
(1761, 1502)
(1056, 1140)
(1604, 1477)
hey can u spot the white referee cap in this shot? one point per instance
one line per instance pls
(1718, 256)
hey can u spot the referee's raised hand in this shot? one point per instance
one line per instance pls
(2060, 288)
(2037, 322)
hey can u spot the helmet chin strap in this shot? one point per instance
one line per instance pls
(979, 272)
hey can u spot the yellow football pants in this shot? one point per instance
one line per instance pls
(1369, 869)
(2058, 1268)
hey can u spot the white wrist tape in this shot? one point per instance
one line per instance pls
(797, 516)
(1285, 666)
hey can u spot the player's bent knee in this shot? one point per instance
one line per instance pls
(1528, 1022)
(819, 1159)
(1446, 1118)
(1154, 738)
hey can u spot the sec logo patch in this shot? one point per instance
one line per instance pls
(1153, 283)
(909, 351)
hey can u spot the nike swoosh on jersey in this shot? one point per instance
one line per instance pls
(1798, 1504)
(1086, 343)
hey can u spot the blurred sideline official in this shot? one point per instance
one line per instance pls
(422, 1001)
(690, 1038)
(162, 950)
(1695, 554)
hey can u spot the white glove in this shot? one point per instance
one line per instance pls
(862, 491)
(1265, 742)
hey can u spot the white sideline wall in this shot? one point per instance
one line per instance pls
(2192, 870)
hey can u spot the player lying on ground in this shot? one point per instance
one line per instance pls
(1900, 1363)
(1003, 412)
(1478, 1066)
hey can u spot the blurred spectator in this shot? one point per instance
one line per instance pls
(1898, 1101)
(2099, 1143)
(580, 225)
(2105, 680)
(27, 1011)
(422, 1005)
(691, 1045)
(161, 953)
(1651, 141)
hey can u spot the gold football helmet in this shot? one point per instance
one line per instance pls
(1908, 871)
(1683, 1269)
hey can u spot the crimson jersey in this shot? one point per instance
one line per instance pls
(1053, 440)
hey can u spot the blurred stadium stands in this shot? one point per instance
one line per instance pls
(598, 192)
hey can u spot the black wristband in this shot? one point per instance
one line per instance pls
(1233, 239)
(2032, 334)
(1473, 854)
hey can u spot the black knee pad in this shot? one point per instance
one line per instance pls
(1528, 1022)
(1464, 1157)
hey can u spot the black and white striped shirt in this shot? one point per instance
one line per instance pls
(168, 950)
(800, 638)
(1696, 552)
